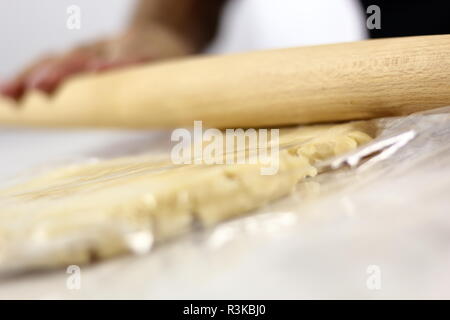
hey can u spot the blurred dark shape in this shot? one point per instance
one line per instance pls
(400, 18)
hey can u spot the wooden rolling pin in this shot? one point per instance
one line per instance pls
(327, 83)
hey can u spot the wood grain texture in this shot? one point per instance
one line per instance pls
(327, 83)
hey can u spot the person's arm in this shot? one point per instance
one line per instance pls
(158, 29)
(195, 21)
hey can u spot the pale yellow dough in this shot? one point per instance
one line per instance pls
(80, 213)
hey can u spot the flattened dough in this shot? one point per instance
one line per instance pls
(81, 213)
(304, 85)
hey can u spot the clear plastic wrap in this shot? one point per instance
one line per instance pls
(385, 204)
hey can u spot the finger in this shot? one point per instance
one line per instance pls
(13, 89)
(49, 78)
(16, 88)
(44, 79)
